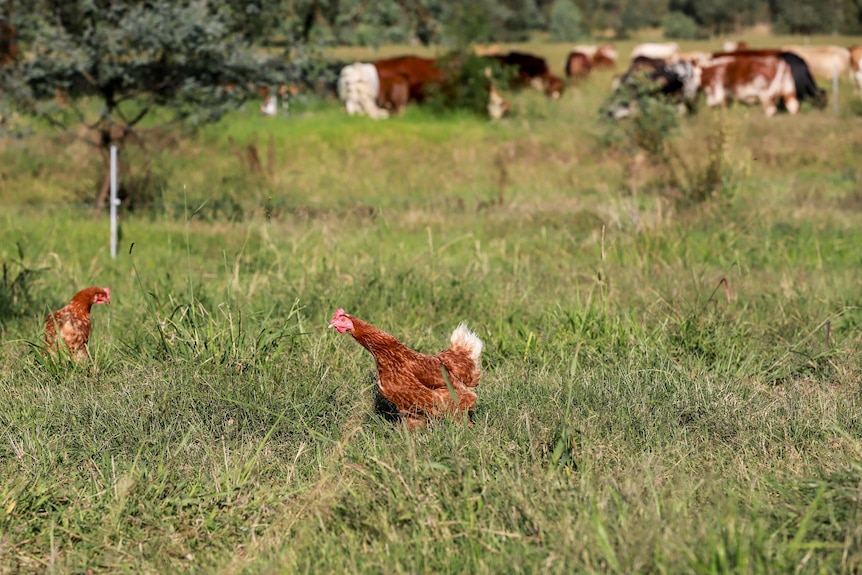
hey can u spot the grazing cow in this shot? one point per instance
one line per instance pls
(666, 51)
(531, 71)
(602, 56)
(406, 78)
(585, 57)
(588, 50)
(678, 82)
(766, 77)
(823, 61)
(605, 57)
(418, 73)
(394, 92)
(358, 86)
(856, 65)
(578, 65)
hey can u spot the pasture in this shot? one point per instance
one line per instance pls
(672, 382)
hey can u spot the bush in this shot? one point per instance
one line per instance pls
(679, 26)
(466, 83)
(653, 121)
(567, 25)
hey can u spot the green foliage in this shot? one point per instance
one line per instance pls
(801, 17)
(652, 128)
(117, 64)
(466, 83)
(469, 22)
(723, 16)
(652, 122)
(253, 19)
(677, 25)
(566, 23)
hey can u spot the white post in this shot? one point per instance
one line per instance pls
(114, 202)
(835, 87)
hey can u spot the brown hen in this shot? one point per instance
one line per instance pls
(72, 322)
(414, 382)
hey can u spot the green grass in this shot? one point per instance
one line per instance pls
(636, 413)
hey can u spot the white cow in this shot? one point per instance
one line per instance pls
(358, 87)
(823, 61)
(856, 65)
(666, 51)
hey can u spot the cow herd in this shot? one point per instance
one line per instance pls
(386, 86)
(774, 79)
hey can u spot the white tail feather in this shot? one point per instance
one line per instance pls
(466, 339)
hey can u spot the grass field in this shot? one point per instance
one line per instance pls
(668, 386)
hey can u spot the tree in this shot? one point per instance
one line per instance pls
(111, 64)
(678, 26)
(803, 17)
(723, 16)
(850, 17)
(255, 20)
(566, 24)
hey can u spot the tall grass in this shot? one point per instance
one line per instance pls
(665, 388)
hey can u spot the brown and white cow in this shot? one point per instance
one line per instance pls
(358, 88)
(823, 61)
(856, 65)
(407, 78)
(578, 65)
(416, 71)
(765, 77)
(586, 57)
(600, 56)
(394, 92)
(605, 56)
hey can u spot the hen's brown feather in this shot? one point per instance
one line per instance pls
(414, 382)
(72, 324)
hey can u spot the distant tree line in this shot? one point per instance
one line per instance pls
(427, 22)
(448, 22)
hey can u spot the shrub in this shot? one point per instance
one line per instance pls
(650, 126)
(465, 83)
(679, 26)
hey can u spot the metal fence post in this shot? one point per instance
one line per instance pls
(114, 202)
(835, 87)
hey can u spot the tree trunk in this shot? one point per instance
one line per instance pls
(105, 190)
